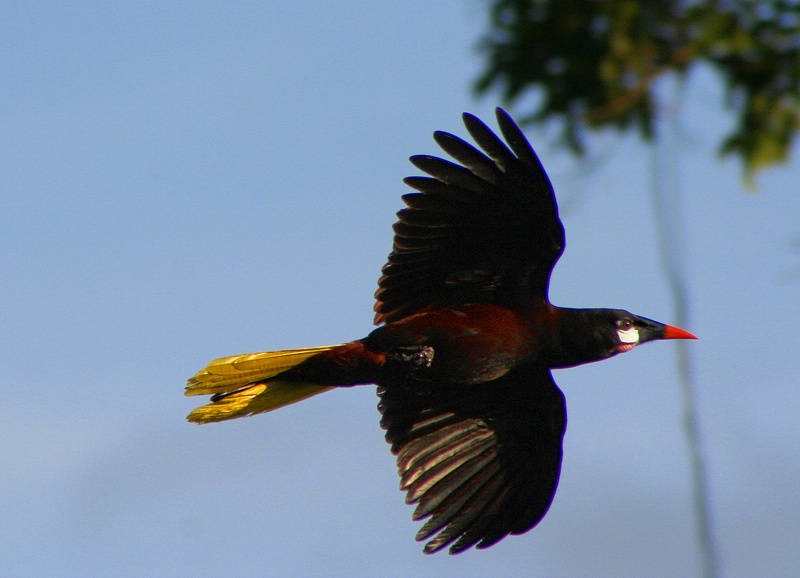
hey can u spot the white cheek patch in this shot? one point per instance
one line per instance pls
(628, 335)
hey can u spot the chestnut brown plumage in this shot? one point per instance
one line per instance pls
(466, 342)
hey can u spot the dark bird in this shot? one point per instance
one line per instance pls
(466, 342)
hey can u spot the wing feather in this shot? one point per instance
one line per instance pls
(482, 231)
(481, 461)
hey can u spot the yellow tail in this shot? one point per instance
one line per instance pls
(239, 384)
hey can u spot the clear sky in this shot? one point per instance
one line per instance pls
(185, 181)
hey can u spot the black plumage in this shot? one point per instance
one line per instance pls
(465, 344)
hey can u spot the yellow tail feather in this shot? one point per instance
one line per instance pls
(230, 377)
(258, 398)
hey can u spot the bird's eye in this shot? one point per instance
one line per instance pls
(627, 333)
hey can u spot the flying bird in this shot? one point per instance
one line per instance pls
(465, 344)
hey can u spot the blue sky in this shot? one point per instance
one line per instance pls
(187, 181)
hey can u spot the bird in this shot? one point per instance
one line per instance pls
(465, 344)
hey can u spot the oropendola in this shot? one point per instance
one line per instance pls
(466, 342)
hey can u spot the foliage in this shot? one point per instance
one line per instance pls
(595, 62)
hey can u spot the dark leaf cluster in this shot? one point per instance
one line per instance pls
(595, 63)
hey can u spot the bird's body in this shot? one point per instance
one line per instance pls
(466, 342)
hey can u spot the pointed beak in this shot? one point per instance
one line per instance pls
(671, 332)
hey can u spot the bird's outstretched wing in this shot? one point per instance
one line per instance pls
(484, 232)
(481, 460)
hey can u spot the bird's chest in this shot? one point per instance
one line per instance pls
(469, 344)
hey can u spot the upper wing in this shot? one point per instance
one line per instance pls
(484, 232)
(481, 460)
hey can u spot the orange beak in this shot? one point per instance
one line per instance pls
(671, 332)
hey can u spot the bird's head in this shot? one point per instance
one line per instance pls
(626, 330)
(587, 335)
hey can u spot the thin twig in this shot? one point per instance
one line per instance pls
(669, 225)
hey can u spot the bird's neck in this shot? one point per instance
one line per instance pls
(576, 338)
